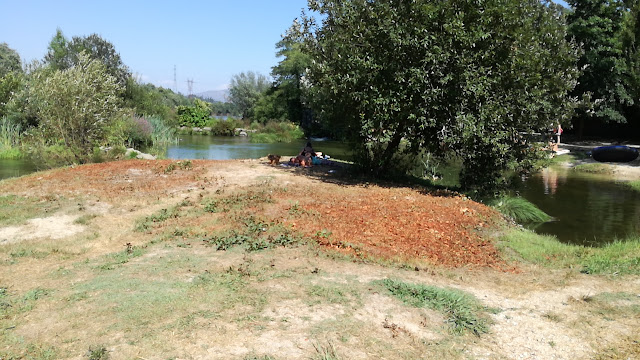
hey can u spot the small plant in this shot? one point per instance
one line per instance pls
(463, 310)
(169, 168)
(84, 219)
(98, 353)
(164, 214)
(325, 352)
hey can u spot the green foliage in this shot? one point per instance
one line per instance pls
(463, 310)
(620, 257)
(196, 115)
(149, 100)
(9, 60)
(9, 139)
(98, 353)
(635, 184)
(462, 77)
(245, 90)
(148, 222)
(519, 209)
(64, 54)
(288, 100)
(10, 84)
(597, 25)
(74, 108)
(275, 131)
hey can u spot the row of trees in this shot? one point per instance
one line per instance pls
(79, 97)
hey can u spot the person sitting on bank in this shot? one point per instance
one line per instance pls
(308, 151)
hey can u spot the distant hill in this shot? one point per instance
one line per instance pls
(217, 95)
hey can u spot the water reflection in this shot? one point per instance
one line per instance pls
(587, 209)
(226, 148)
(15, 168)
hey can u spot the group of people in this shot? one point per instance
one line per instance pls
(307, 157)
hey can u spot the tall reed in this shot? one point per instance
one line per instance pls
(9, 139)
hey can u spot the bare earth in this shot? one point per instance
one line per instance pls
(86, 276)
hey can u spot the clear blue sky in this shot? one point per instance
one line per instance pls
(207, 41)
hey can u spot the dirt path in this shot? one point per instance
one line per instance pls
(125, 265)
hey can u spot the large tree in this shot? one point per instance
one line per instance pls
(631, 49)
(10, 75)
(463, 77)
(63, 54)
(289, 74)
(245, 90)
(9, 60)
(596, 25)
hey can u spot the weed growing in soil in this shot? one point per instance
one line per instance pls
(120, 258)
(85, 219)
(148, 222)
(98, 353)
(256, 235)
(236, 201)
(463, 310)
(325, 352)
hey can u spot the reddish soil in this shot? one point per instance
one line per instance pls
(368, 222)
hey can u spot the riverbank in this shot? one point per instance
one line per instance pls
(629, 171)
(242, 260)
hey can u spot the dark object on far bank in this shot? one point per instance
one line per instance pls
(614, 153)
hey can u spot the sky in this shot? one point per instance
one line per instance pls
(207, 41)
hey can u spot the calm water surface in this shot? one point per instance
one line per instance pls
(587, 209)
(237, 147)
(15, 168)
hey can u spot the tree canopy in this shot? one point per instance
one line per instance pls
(63, 54)
(596, 25)
(462, 77)
(9, 60)
(245, 90)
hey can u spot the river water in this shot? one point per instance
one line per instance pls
(587, 209)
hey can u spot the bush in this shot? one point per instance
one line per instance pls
(274, 131)
(519, 209)
(75, 108)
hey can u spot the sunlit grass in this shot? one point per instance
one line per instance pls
(519, 209)
(594, 168)
(463, 310)
(620, 257)
(635, 185)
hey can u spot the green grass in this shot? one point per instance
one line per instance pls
(635, 185)
(18, 209)
(149, 222)
(463, 311)
(274, 132)
(620, 257)
(12, 153)
(519, 209)
(594, 168)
